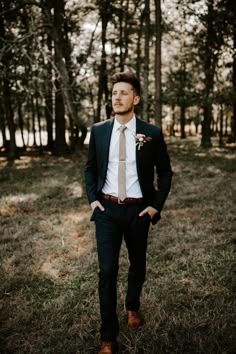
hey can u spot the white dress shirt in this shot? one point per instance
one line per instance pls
(133, 189)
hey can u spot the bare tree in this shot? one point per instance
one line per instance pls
(158, 103)
(146, 59)
(6, 86)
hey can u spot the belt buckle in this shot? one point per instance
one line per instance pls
(120, 201)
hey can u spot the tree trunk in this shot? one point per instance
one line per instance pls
(215, 123)
(102, 85)
(146, 59)
(3, 129)
(39, 120)
(28, 121)
(182, 121)
(138, 49)
(60, 141)
(126, 32)
(158, 103)
(64, 79)
(49, 96)
(183, 100)
(61, 146)
(2, 120)
(206, 126)
(33, 121)
(67, 55)
(233, 124)
(123, 33)
(121, 42)
(2, 110)
(10, 119)
(221, 125)
(63, 86)
(172, 126)
(210, 60)
(227, 125)
(7, 91)
(21, 122)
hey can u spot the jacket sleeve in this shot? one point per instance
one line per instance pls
(163, 172)
(90, 173)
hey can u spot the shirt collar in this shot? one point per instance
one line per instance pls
(131, 125)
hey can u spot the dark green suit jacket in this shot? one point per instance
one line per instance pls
(152, 162)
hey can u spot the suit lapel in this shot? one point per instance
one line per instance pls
(141, 154)
(106, 139)
(139, 130)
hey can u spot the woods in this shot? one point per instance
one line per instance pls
(57, 58)
(56, 61)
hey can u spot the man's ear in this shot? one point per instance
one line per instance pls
(136, 100)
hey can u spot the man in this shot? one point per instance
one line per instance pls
(124, 154)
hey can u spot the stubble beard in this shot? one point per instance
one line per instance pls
(121, 113)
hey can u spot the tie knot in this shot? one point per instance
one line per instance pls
(122, 128)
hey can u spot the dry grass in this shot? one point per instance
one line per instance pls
(48, 276)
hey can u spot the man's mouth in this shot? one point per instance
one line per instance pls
(118, 104)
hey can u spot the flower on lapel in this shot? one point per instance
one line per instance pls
(141, 139)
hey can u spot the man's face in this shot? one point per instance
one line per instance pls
(123, 98)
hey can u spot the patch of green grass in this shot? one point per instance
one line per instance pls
(48, 281)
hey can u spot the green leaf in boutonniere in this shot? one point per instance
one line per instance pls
(141, 139)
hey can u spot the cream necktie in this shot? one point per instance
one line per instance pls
(121, 168)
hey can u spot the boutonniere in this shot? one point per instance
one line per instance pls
(141, 139)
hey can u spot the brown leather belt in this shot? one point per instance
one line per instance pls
(118, 201)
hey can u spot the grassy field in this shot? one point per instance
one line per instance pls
(48, 275)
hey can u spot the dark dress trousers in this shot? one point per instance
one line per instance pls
(123, 220)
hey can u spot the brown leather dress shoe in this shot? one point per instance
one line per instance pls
(134, 320)
(108, 348)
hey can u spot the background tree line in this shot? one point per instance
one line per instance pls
(57, 57)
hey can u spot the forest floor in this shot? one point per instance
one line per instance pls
(48, 276)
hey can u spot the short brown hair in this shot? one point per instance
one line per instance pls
(129, 77)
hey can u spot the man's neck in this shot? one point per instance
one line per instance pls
(124, 118)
